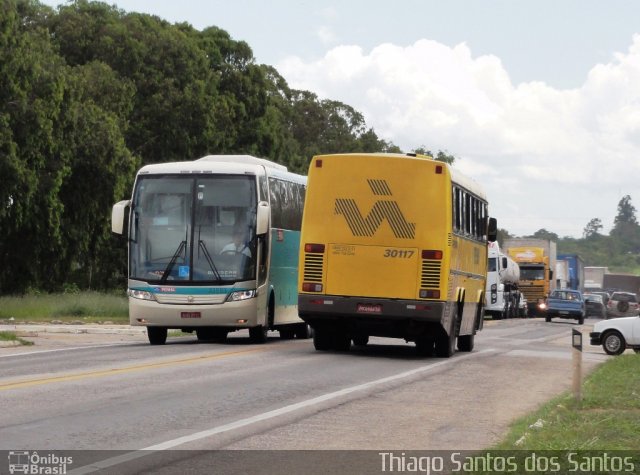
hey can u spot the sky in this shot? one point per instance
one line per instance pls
(538, 100)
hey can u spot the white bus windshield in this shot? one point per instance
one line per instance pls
(193, 229)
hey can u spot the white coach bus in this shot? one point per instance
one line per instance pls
(213, 248)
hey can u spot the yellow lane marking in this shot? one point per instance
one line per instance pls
(127, 369)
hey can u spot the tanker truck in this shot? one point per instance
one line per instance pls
(537, 261)
(502, 296)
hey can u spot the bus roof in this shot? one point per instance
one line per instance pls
(456, 177)
(223, 164)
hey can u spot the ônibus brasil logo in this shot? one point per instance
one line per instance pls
(382, 209)
(25, 461)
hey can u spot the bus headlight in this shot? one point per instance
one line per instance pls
(141, 294)
(241, 295)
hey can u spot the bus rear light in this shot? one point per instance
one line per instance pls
(311, 287)
(321, 302)
(418, 307)
(429, 294)
(319, 163)
(438, 169)
(432, 254)
(317, 248)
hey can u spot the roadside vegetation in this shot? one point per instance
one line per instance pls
(619, 250)
(79, 307)
(11, 336)
(607, 418)
(597, 435)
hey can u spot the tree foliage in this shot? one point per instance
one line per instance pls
(619, 250)
(89, 93)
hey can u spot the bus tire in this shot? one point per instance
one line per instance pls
(322, 339)
(302, 331)
(341, 341)
(445, 344)
(157, 335)
(287, 333)
(258, 334)
(424, 346)
(360, 340)
(466, 342)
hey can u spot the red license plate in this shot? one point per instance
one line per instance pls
(369, 308)
(190, 315)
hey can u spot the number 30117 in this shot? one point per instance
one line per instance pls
(398, 253)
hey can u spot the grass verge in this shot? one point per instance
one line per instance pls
(10, 336)
(81, 307)
(596, 435)
(607, 418)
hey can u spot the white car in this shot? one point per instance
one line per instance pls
(617, 334)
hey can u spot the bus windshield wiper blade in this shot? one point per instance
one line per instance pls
(172, 262)
(205, 251)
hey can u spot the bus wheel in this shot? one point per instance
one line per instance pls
(446, 344)
(342, 341)
(424, 346)
(322, 339)
(360, 340)
(287, 333)
(466, 342)
(157, 335)
(258, 334)
(302, 331)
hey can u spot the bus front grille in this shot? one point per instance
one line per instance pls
(313, 265)
(430, 277)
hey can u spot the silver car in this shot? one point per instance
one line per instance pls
(622, 304)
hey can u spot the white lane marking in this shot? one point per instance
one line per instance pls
(169, 444)
(69, 349)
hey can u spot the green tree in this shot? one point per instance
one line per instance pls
(544, 234)
(626, 212)
(33, 162)
(502, 235)
(101, 172)
(440, 156)
(592, 228)
(626, 230)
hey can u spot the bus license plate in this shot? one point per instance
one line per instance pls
(190, 315)
(369, 308)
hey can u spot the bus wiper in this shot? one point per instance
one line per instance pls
(172, 262)
(205, 251)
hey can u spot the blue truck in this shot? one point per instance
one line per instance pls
(565, 303)
(575, 263)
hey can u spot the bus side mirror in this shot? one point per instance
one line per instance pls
(262, 220)
(492, 231)
(118, 214)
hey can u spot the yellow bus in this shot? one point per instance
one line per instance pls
(393, 245)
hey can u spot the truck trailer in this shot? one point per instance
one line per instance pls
(502, 296)
(575, 277)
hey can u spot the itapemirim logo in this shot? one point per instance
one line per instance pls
(26, 461)
(382, 209)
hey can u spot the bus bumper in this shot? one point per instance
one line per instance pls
(379, 317)
(242, 314)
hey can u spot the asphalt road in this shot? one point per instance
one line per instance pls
(121, 394)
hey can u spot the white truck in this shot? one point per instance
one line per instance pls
(502, 296)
